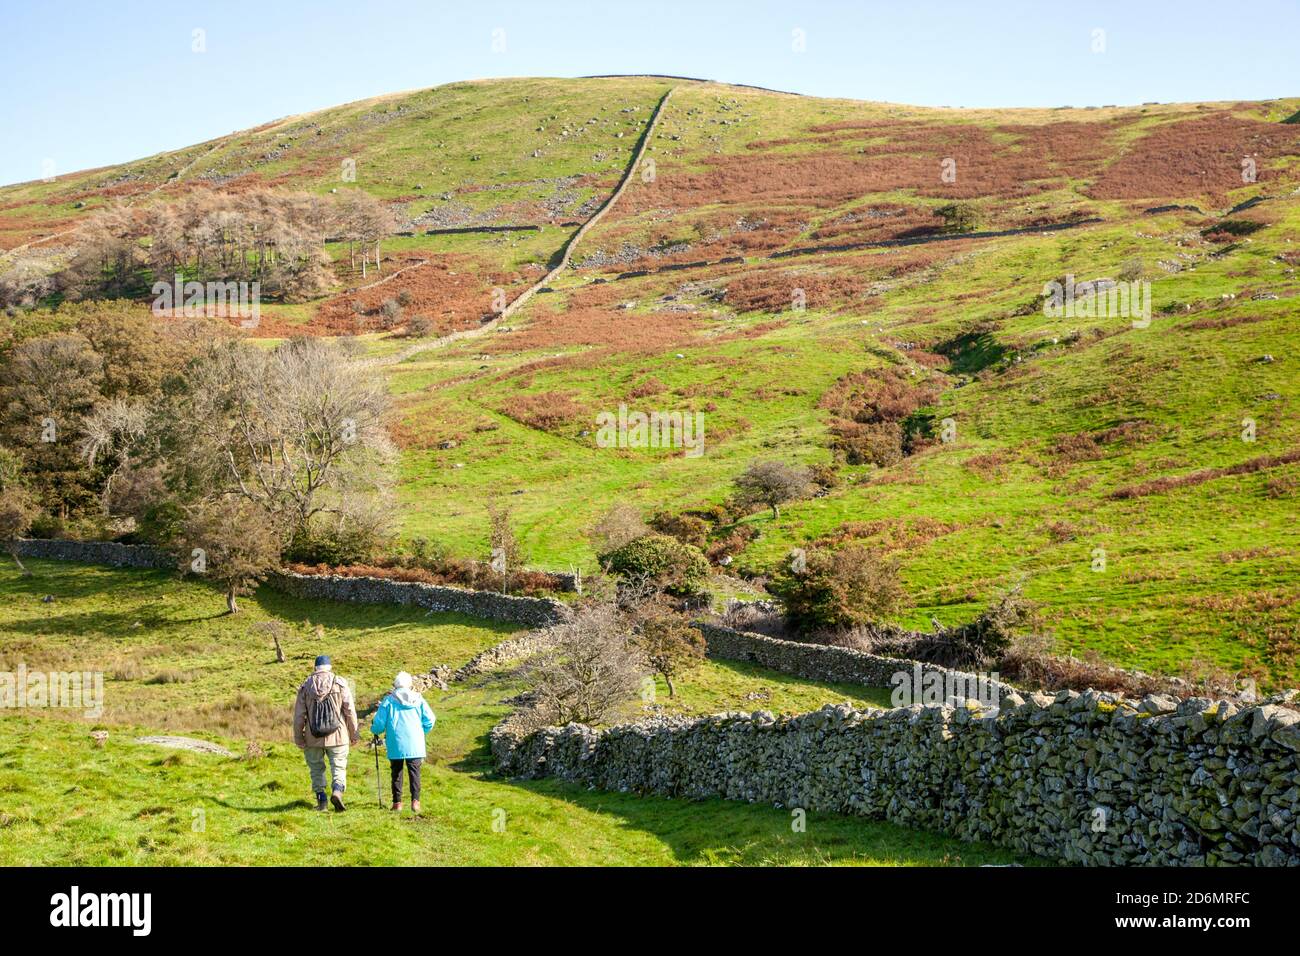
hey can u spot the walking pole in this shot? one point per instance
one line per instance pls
(379, 790)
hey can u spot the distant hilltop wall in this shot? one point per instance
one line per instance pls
(1081, 778)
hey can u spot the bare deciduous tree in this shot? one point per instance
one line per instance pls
(590, 670)
(297, 431)
(507, 552)
(363, 220)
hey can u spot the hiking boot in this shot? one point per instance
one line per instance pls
(415, 807)
(397, 808)
(336, 798)
(321, 802)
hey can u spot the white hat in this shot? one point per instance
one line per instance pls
(402, 681)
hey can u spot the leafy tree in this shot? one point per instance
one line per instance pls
(670, 646)
(232, 543)
(664, 562)
(137, 351)
(48, 387)
(841, 588)
(959, 217)
(771, 484)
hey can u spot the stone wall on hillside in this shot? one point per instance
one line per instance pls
(1081, 778)
(529, 611)
(842, 665)
(511, 651)
(110, 553)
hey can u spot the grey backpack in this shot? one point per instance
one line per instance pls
(323, 713)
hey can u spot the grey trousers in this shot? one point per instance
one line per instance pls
(338, 757)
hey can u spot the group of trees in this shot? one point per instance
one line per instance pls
(232, 454)
(96, 357)
(271, 237)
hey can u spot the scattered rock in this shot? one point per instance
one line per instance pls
(186, 743)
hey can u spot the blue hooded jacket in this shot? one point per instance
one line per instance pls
(403, 718)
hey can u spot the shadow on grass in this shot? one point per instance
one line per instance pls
(66, 580)
(748, 834)
(107, 623)
(300, 804)
(345, 615)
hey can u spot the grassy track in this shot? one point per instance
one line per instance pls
(174, 664)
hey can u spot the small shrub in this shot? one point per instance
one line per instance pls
(1132, 270)
(878, 443)
(959, 217)
(688, 529)
(838, 589)
(661, 561)
(825, 477)
(420, 326)
(170, 676)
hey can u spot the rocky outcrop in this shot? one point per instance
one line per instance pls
(1078, 777)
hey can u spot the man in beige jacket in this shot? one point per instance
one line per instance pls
(324, 725)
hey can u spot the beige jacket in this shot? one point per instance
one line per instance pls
(315, 687)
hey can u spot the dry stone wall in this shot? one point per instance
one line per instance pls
(529, 611)
(841, 665)
(110, 553)
(1079, 777)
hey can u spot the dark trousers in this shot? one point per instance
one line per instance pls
(412, 771)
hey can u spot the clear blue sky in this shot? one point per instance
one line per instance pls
(93, 83)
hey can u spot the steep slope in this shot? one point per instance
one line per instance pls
(779, 263)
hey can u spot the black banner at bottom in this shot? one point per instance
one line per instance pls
(217, 905)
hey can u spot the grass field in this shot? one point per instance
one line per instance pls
(174, 663)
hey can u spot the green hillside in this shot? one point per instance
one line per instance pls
(784, 254)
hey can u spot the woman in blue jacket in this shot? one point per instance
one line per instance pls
(404, 718)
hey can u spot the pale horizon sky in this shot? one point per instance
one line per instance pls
(93, 84)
